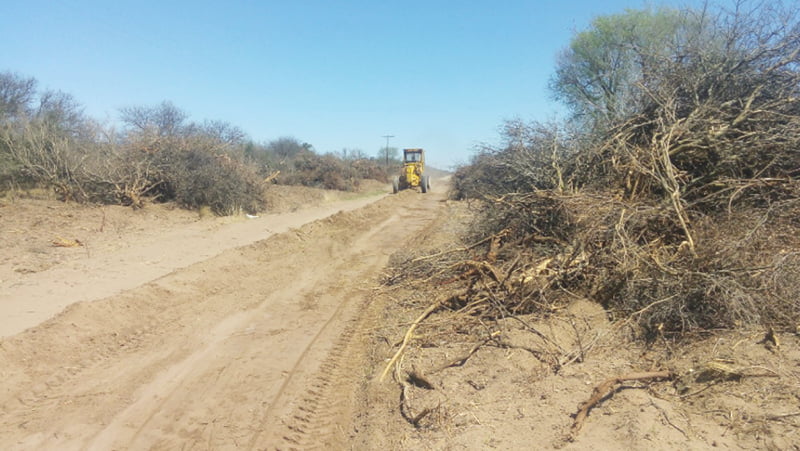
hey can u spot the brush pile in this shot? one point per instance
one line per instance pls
(681, 217)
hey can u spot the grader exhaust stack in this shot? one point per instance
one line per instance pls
(412, 175)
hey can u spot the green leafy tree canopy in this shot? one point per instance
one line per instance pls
(600, 75)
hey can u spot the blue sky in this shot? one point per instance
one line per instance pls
(442, 75)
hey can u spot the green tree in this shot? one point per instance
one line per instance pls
(601, 75)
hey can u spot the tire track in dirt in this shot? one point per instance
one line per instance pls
(318, 419)
(326, 415)
(270, 411)
(308, 396)
(302, 411)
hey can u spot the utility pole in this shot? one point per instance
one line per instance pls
(386, 152)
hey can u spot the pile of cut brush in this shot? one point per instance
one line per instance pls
(741, 268)
(682, 217)
(638, 259)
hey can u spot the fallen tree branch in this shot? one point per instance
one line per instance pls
(480, 266)
(606, 389)
(781, 417)
(408, 336)
(496, 236)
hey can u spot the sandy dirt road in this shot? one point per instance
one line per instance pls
(26, 302)
(257, 347)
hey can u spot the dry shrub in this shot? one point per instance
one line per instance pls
(329, 172)
(74, 167)
(532, 160)
(158, 156)
(469, 182)
(369, 169)
(310, 169)
(193, 168)
(220, 181)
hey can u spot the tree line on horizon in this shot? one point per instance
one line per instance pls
(157, 154)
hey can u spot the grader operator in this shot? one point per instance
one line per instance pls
(412, 174)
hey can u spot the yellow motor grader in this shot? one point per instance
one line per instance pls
(412, 174)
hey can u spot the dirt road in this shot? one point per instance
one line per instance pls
(255, 348)
(134, 259)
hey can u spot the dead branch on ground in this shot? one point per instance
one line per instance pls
(606, 389)
(409, 334)
(494, 237)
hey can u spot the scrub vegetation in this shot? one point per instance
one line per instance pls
(156, 155)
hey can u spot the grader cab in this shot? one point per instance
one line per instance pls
(412, 174)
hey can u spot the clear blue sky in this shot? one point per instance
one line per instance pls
(442, 75)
